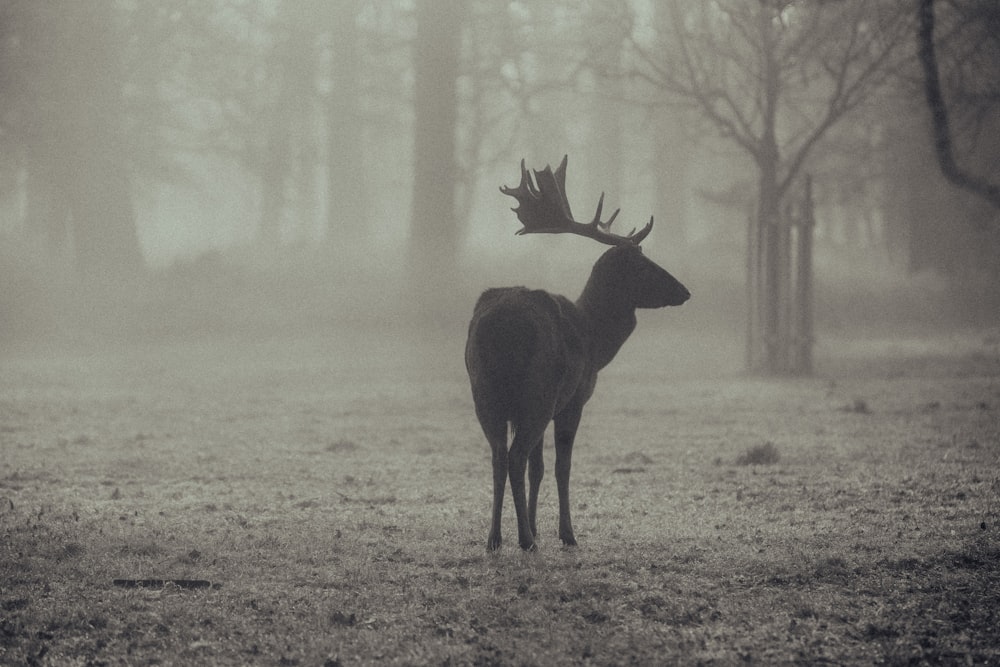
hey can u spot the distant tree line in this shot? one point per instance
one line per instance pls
(320, 104)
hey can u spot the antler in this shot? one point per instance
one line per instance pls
(544, 209)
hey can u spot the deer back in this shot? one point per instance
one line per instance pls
(527, 354)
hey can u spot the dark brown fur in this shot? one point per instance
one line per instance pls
(533, 358)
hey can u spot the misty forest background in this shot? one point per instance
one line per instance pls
(181, 167)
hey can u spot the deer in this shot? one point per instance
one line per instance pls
(533, 357)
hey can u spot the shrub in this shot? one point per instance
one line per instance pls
(758, 455)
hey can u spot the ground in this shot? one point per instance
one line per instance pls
(335, 494)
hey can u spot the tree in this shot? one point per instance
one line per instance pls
(976, 37)
(286, 161)
(771, 77)
(434, 231)
(273, 89)
(67, 80)
(941, 140)
(347, 192)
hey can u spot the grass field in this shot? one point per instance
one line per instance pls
(336, 495)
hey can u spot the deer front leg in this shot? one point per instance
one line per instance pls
(517, 463)
(536, 470)
(566, 424)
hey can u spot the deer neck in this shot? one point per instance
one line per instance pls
(609, 320)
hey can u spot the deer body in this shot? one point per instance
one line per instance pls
(533, 358)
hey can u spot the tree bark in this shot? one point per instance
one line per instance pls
(347, 195)
(435, 236)
(940, 124)
(292, 70)
(767, 300)
(78, 156)
(769, 294)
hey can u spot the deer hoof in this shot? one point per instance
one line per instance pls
(569, 541)
(530, 547)
(493, 544)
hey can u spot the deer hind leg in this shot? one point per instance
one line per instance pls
(526, 441)
(566, 424)
(496, 434)
(536, 471)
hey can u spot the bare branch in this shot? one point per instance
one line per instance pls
(849, 87)
(735, 127)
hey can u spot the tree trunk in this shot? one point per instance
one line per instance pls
(673, 160)
(767, 298)
(106, 242)
(941, 127)
(605, 145)
(766, 349)
(274, 178)
(291, 70)
(80, 151)
(347, 195)
(803, 362)
(435, 236)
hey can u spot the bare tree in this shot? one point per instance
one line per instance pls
(771, 77)
(64, 72)
(434, 232)
(976, 36)
(273, 88)
(347, 192)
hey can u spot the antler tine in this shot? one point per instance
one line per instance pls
(560, 177)
(643, 233)
(524, 188)
(596, 222)
(529, 182)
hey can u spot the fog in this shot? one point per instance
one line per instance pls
(313, 170)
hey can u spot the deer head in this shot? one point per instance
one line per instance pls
(623, 279)
(625, 276)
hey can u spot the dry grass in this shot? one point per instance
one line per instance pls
(339, 503)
